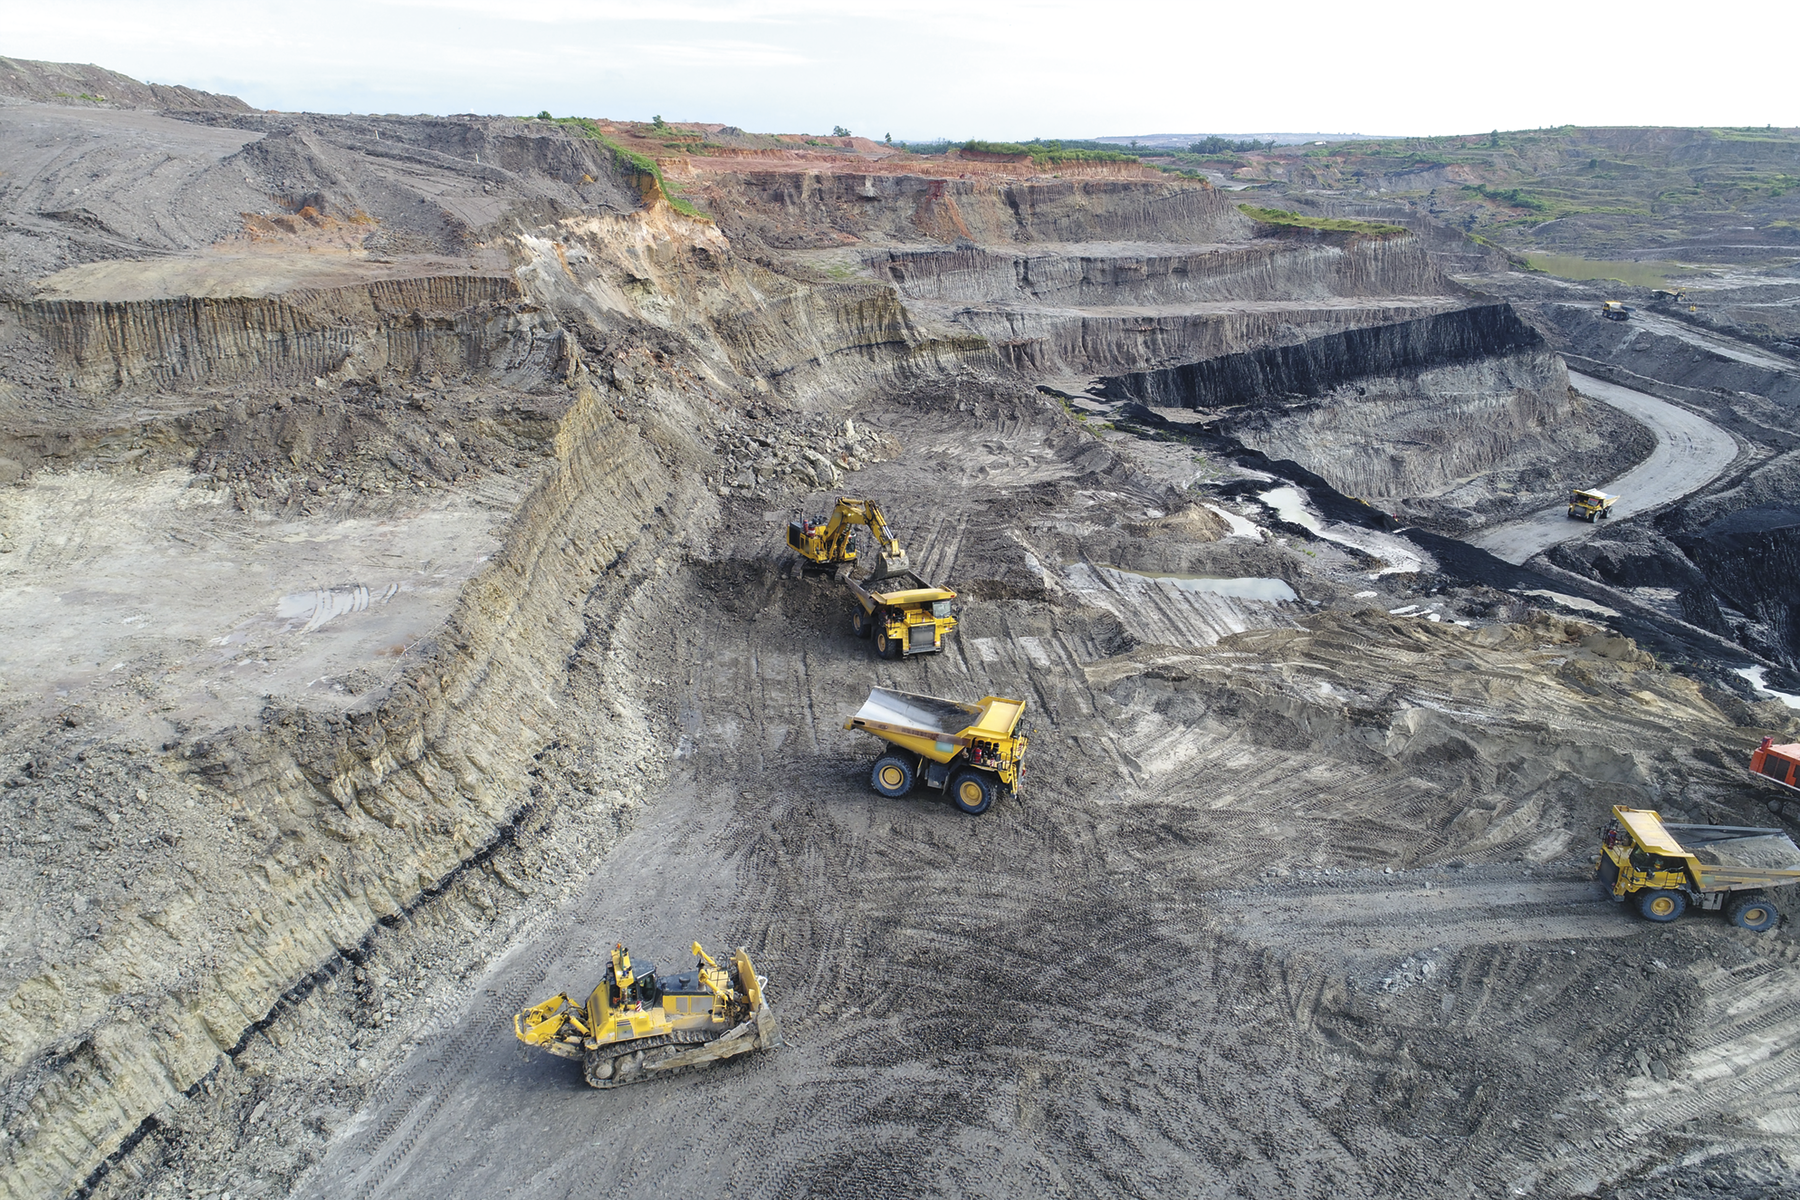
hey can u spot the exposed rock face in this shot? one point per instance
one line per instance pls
(413, 326)
(1315, 367)
(1457, 419)
(1752, 560)
(799, 210)
(1145, 274)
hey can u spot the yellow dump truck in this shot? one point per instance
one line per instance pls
(1591, 505)
(902, 612)
(967, 750)
(1665, 868)
(639, 1023)
(1616, 310)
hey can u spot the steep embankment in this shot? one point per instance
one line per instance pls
(1455, 420)
(276, 771)
(799, 209)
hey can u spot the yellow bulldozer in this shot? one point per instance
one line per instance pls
(1665, 868)
(969, 751)
(640, 1024)
(902, 612)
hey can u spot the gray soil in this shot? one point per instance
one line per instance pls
(396, 613)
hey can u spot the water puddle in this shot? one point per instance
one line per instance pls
(1572, 602)
(1237, 526)
(1755, 676)
(318, 607)
(1248, 587)
(1290, 504)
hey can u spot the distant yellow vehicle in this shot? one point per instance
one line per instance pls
(640, 1024)
(968, 750)
(1711, 867)
(1591, 505)
(1616, 310)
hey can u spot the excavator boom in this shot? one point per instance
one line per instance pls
(827, 543)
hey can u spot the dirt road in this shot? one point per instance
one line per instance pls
(1690, 453)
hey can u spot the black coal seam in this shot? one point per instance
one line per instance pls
(335, 965)
(1456, 559)
(1315, 366)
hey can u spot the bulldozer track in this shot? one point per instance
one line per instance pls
(623, 1049)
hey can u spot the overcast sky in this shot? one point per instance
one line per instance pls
(928, 68)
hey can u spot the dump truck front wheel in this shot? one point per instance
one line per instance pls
(1752, 912)
(972, 791)
(1661, 904)
(893, 776)
(886, 646)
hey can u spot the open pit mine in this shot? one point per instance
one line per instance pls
(397, 616)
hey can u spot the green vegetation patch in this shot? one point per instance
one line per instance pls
(634, 163)
(1280, 216)
(1569, 266)
(1048, 152)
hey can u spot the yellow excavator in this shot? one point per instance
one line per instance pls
(901, 611)
(830, 544)
(640, 1024)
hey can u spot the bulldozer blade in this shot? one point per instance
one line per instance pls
(761, 1032)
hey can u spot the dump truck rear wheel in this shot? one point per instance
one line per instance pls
(860, 624)
(1754, 913)
(972, 791)
(893, 776)
(1661, 904)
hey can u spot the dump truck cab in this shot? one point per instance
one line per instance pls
(1591, 505)
(903, 613)
(1666, 868)
(966, 750)
(1616, 310)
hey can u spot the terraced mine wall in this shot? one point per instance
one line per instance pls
(1315, 367)
(333, 824)
(283, 843)
(1264, 269)
(441, 323)
(785, 209)
(1456, 419)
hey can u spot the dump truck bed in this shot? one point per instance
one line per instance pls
(1723, 857)
(933, 727)
(900, 589)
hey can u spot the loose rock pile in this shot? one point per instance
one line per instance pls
(761, 457)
